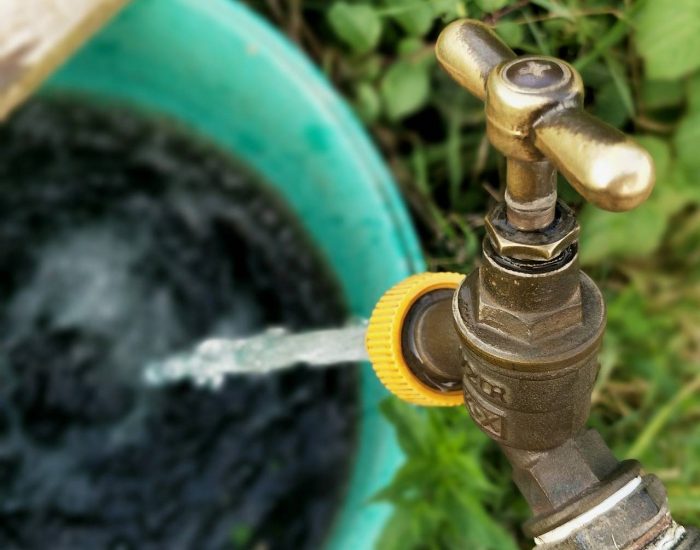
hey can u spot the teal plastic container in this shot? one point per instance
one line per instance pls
(217, 68)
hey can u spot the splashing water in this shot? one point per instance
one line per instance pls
(124, 241)
(275, 349)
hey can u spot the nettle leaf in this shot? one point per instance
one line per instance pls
(441, 494)
(405, 88)
(358, 25)
(414, 17)
(400, 533)
(668, 37)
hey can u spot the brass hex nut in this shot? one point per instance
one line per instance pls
(505, 246)
(530, 327)
(510, 242)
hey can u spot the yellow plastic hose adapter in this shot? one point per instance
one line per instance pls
(383, 340)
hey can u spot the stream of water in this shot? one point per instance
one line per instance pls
(211, 361)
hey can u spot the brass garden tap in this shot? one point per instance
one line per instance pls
(534, 116)
(517, 339)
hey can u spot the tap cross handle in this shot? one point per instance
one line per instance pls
(535, 117)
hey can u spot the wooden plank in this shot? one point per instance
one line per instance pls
(37, 36)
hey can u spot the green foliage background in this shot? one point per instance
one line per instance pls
(641, 64)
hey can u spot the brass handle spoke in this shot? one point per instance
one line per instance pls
(535, 117)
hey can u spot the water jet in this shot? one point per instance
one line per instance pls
(318, 163)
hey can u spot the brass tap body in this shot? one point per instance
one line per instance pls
(529, 320)
(526, 325)
(530, 337)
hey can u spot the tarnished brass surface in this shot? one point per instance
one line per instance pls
(542, 245)
(534, 116)
(603, 164)
(525, 180)
(469, 52)
(528, 323)
(550, 488)
(530, 334)
(518, 92)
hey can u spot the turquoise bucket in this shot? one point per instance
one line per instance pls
(217, 68)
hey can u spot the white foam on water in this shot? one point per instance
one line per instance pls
(210, 362)
(90, 280)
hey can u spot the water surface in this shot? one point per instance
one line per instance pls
(123, 241)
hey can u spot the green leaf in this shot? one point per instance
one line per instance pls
(660, 152)
(512, 33)
(241, 535)
(358, 25)
(686, 140)
(367, 102)
(405, 419)
(400, 533)
(609, 106)
(619, 79)
(612, 235)
(367, 67)
(661, 94)
(596, 74)
(414, 17)
(491, 5)
(405, 88)
(449, 10)
(409, 45)
(442, 494)
(668, 37)
(694, 93)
